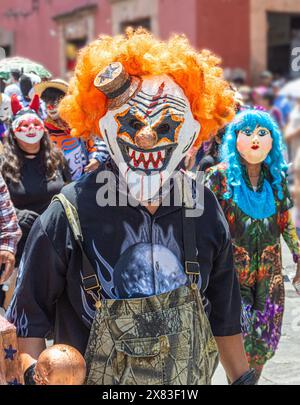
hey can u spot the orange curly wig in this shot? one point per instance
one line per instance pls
(198, 74)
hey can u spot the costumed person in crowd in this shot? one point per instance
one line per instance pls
(82, 156)
(146, 289)
(252, 189)
(5, 114)
(32, 167)
(10, 234)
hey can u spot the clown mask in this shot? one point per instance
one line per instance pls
(52, 109)
(27, 125)
(254, 145)
(5, 107)
(149, 128)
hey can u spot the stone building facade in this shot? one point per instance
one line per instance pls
(249, 35)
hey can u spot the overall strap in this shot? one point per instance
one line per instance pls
(89, 277)
(191, 264)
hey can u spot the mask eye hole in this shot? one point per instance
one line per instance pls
(263, 132)
(136, 124)
(247, 132)
(163, 129)
(51, 104)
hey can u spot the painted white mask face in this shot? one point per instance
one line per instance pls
(28, 128)
(254, 146)
(52, 110)
(5, 107)
(150, 135)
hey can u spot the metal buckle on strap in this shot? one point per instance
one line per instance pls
(192, 268)
(90, 283)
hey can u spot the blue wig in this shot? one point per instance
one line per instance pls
(251, 119)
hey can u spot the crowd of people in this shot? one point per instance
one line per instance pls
(132, 287)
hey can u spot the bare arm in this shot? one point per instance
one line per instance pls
(232, 356)
(30, 349)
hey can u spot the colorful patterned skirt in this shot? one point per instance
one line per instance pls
(262, 293)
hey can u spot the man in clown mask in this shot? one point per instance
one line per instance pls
(145, 291)
(155, 128)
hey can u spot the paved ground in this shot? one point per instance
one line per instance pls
(284, 367)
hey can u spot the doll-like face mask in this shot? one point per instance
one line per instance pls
(150, 135)
(29, 128)
(5, 107)
(254, 145)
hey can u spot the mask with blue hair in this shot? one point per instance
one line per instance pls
(254, 137)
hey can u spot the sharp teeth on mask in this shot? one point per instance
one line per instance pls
(155, 155)
(150, 166)
(141, 165)
(137, 155)
(160, 165)
(163, 153)
(131, 153)
(146, 157)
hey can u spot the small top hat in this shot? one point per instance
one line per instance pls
(116, 84)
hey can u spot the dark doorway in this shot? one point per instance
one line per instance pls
(142, 22)
(7, 50)
(283, 36)
(72, 48)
